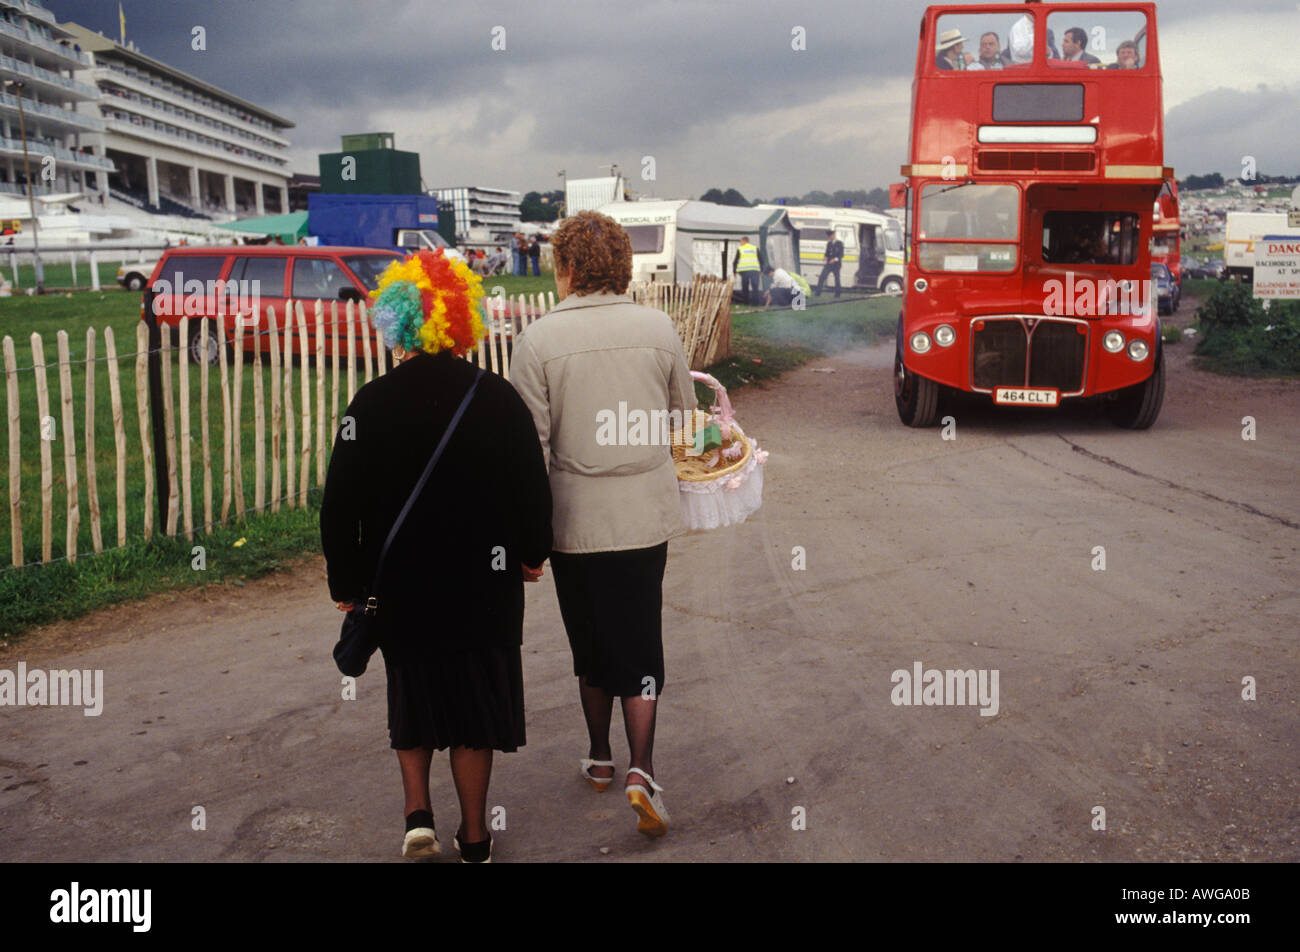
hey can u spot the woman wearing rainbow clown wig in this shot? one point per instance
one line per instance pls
(452, 586)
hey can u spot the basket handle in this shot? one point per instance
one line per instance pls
(721, 409)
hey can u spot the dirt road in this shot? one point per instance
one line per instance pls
(1119, 689)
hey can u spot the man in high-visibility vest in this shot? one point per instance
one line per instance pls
(749, 265)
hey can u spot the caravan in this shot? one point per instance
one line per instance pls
(873, 244)
(677, 240)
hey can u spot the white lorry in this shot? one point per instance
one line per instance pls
(1242, 231)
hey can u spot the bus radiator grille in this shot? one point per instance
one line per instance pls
(1056, 356)
(1005, 354)
(998, 353)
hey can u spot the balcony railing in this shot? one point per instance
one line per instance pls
(68, 116)
(35, 39)
(48, 76)
(34, 10)
(67, 156)
(141, 83)
(172, 139)
(189, 125)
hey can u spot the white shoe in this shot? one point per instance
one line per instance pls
(648, 804)
(600, 783)
(421, 842)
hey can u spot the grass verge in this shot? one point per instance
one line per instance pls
(41, 594)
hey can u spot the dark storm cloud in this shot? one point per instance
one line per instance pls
(595, 81)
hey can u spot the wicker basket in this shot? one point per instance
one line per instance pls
(723, 486)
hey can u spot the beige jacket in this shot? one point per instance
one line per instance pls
(602, 376)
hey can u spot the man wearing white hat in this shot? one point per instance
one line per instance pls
(949, 53)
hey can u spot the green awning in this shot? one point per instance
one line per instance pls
(289, 227)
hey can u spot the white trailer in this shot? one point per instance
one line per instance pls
(675, 240)
(1242, 231)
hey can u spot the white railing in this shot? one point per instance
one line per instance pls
(171, 138)
(75, 159)
(142, 84)
(40, 74)
(35, 39)
(69, 116)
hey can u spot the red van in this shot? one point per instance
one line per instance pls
(227, 283)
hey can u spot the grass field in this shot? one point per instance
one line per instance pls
(764, 344)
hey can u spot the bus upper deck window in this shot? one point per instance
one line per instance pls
(1108, 39)
(981, 42)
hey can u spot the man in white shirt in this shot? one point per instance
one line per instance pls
(990, 57)
(784, 287)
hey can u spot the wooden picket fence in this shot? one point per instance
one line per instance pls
(295, 419)
(701, 312)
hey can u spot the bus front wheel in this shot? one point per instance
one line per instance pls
(1136, 407)
(916, 397)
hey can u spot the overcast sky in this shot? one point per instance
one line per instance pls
(710, 88)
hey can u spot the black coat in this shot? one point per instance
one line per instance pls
(452, 578)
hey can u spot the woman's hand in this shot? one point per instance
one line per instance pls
(531, 574)
(345, 606)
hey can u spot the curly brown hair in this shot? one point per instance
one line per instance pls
(595, 251)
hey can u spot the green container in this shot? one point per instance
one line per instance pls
(370, 172)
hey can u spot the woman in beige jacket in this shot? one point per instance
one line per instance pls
(605, 378)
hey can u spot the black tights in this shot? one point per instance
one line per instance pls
(638, 720)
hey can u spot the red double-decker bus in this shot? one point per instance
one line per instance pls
(1166, 231)
(1035, 161)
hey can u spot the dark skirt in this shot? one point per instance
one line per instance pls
(612, 603)
(472, 697)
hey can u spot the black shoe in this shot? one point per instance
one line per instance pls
(421, 838)
(474, 852)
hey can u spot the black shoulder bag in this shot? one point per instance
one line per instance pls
(360, 638)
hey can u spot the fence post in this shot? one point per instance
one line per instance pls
(259, 421)
(352, 354)
(226, 448)
(69, 450)
(46, 424)
(15, 452)
(94, 271)
(142, 412)
(320, 394)
(237, 416)
(169, 425)
(276, 412)
(72, 260)
(290, 421)
(204, 430)
(183, 395)
(119, 431)
(304, 362)
(92, 484)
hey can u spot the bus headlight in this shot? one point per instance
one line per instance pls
(920, 284)
(920, 342)
(1137, 350)
(944, 335)
(1113, 341)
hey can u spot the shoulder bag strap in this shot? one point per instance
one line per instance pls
(371, 604)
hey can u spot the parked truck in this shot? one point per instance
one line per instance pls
(404, 223)
(1242, 231)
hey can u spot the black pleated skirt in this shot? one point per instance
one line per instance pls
(612, 605)
(472, 697)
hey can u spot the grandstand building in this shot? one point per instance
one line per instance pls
(174, 143)
(58, 114)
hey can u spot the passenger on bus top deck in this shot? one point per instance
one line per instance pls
(1074, 46)
(1020, 43)
(949, 53)
(1126, 56)
(990, 58)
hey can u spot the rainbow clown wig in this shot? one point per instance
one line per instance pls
(429, 302)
